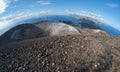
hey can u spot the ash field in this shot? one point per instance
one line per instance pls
(60, 43)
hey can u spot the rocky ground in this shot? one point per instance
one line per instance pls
(72, 53)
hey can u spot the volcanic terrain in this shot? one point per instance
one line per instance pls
(58, 47)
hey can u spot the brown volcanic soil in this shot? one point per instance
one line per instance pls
(62, 53)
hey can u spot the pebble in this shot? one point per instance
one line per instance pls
(65, 52)
(82, 46)
(95, 65)
(19, 68)
(53, 64)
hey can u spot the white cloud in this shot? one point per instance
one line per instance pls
(8, 21)
(44, 2)
(15, 0)
(112, 5)
(92, 15)
(12, 20)
(3, 5)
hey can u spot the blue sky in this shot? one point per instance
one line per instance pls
(110, 9)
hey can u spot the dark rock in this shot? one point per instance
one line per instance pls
(62, 53)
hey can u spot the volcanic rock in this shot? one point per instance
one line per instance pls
(45, 29)
(62, 53)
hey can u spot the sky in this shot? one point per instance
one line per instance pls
(104, 9)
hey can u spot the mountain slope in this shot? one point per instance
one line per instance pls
(45, 29)
(62, 53)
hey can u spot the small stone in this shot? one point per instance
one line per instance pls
(74, 62)
(58, 68)
(66, 67)
(73, 38)
(38, 55)
(71, 46)
(82, 46)
(9, 66)
(73, 71)
(53, 63)
(65, 52)
(86, 64)
(19, 68)
(95, 65)
(98, 64)
(38, 59)
(23, 69)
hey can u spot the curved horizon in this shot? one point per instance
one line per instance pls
(12, 21)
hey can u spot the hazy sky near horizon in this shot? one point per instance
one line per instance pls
(109, 9)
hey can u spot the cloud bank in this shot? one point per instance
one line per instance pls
(10, 21)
